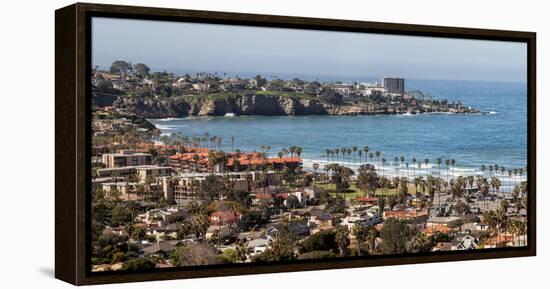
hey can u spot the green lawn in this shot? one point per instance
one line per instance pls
(354, 192)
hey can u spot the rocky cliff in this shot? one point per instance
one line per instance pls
(260, 104)
(241, 105)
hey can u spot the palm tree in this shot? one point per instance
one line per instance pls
(515, 174)
(315, 167)
(241, 250)
(438, 162)
(482, 169)
(402, 159)
(336, 151)
(343, 151)
(510, 177)
(371, 156)
(366, 150)
(292, 150)
(453, 162)
(495, 184)
(360, 152)
(196, 161)
(341, 238)
(201, 225)
(359, 231)
(298, 151)
(427, 161)
(395, 164)
(383, 163)
(354, 149)
(377, 153)
(185, 230)
(416, 182)
(414, 165)
(520, 172)
(447, 164)
(370, 238)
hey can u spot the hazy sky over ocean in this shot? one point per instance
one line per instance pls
(194, 47)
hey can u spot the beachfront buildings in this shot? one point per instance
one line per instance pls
(197, 160)
(125, 158)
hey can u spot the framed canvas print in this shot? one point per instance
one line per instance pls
(200, 144)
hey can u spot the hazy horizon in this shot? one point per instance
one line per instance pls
(245, 51)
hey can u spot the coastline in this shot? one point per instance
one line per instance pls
(391, 170)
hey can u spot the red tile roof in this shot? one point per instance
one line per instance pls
(224, 217)
(263, 196)
(404, 214)
(367, 199)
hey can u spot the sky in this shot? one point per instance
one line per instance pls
(192, 47)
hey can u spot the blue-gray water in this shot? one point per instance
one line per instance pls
(499, 137)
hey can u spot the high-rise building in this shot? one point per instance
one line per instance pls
(394, 84)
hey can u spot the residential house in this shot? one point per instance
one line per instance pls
(463, 241)
(161, 249)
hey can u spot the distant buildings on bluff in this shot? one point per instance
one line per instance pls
(394, 85)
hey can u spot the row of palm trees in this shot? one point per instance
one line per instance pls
(293, 151)
(347, 151)
(339, 155)
(206, 140)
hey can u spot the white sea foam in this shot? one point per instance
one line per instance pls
(169, 119)
(166, 127)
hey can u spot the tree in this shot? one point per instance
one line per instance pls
(342, 239)
(230, 255)
(120, 66)
(330, 96)
(292, 202)
(420, 243)
(121, 215)
(462, 208)
(281, 248)
(367, 179)
(201, 225)
(395, 234)
(320, 241)
(359, 231)
(371, 236)
(317, 255)
(195, 255)
(213, 187)
(139, 264)
(403, 189)
(260, 81)
(142, 69)
(185, 230)
(241, 250)
(105, 85)
(341, 177)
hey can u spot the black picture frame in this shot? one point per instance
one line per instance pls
(72, 149)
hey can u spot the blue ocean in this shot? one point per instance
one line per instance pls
(498, 137)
